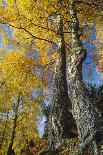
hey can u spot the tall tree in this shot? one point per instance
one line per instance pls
(10, 148)
(31, 23)
(17, 83)
(59, 124)
(88, 119)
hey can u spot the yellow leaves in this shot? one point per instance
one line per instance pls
(99, 45)
(37, 18)
(0, 2)
(11, 63)
(54, 55)
(45, 60)
(17, 73)
(25, 7)
(32, 16)
(15, 70)
(9, 12)
(27, 128)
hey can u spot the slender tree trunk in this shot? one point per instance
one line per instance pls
(4, 132)
(87, 117)
(10, 148)
(59, 125)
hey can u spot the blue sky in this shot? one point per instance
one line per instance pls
(91, 65)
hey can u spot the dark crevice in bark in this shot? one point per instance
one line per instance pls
(87, 117)
(59, 125)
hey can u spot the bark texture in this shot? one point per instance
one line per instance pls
(59, 125)
(87, 117)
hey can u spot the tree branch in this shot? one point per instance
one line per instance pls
(35, 37)
(45, 28)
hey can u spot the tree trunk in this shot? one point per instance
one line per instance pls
(4, 132)
(10, 148)
(59, 124)
(87, 117)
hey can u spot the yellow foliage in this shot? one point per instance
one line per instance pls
(18, 77)
(16, 71)
(27, 125)
(99, 32)
(34, 21)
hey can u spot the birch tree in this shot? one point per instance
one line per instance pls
(55, 23)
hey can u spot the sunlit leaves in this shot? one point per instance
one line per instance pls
(18, 76)
(99, 32)
(39, 18)
(27, 125)
(16, 71)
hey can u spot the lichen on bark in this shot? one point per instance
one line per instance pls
(87, 117)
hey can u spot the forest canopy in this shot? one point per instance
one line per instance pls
(47, 47)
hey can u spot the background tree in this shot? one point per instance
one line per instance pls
(17, 84)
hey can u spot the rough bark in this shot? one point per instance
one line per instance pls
(10, 148)
(87, 117)
(59, 125)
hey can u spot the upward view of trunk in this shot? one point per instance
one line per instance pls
(59, 125)
(87, 117)
(10, 148)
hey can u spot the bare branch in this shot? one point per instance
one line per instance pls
(67, 32)
(35, 37)
(45, 28)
